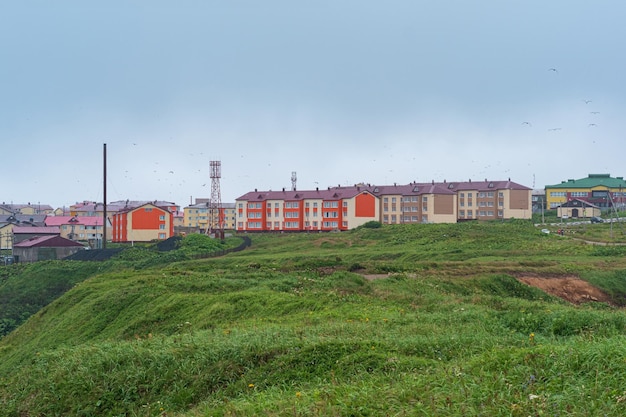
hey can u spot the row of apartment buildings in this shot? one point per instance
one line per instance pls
(344, 208)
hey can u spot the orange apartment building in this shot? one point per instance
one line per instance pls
(143, 223)
(340, 208)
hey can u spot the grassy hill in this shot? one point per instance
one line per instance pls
(399, 320)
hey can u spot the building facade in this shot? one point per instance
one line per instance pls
(333, 209)
(416, 203)
(600, 190)
(198, 215)
(79, 228)
(144, 223)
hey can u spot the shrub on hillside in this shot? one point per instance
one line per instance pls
(373, 224)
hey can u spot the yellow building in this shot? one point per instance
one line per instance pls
(600, 190)
(198, 215)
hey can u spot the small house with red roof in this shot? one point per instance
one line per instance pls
(42, 248)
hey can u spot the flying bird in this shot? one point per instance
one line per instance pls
(594, 112)
(587, 101)
(592, 124)
(554, 129)
(553, 70)
(526, 123)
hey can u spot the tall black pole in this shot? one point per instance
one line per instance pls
(104, 209)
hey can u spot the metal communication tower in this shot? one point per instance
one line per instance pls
(216, 214)
(294, 178)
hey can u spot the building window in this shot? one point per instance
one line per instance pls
(161, 235)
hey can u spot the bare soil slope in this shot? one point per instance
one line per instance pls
(569, 288)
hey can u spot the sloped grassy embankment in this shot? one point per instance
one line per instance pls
(292, 327)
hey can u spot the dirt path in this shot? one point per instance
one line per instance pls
(569, 288)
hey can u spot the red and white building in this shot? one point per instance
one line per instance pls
(340, 208)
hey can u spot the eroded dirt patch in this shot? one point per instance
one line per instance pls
(569, 288)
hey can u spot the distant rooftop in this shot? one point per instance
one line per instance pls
(593, 180)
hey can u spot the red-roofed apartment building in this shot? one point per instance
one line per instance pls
(341, 208)
(142, 223)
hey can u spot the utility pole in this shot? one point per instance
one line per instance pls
(104, 208)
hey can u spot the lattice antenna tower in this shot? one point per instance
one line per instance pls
(216, 214)
(294, 179)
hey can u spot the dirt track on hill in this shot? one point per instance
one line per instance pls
(569, 288)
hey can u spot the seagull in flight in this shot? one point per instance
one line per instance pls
(526, 123)
(592, 124)
(554, 129)
(587, 101)
(553, 70)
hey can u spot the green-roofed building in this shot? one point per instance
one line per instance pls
(601, 190)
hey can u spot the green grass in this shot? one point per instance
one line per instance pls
(295, 326)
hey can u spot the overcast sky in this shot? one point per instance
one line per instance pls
(338, 91)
